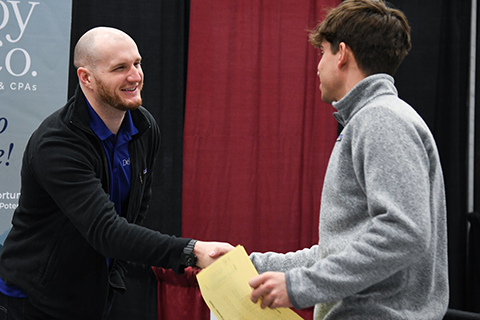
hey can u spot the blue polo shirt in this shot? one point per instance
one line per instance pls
(116, 148)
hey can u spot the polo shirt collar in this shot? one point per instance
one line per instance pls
(127, 129)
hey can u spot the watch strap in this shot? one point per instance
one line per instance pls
(188, 258)
(189, 247)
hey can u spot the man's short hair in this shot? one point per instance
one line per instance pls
(378, 35)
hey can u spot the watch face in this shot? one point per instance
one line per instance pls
(189, 260)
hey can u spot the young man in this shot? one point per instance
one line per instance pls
(382, 251)
(86, 185)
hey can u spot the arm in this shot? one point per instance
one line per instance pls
(271, 287)
(75, 185)
(272, 261)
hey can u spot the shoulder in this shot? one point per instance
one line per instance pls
(149, 117)
(143, 119)
(388, 113)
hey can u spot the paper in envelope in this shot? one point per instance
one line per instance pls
(225, 289)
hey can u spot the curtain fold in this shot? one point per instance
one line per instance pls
(179, 296)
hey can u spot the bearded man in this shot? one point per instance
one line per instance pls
(86, 185)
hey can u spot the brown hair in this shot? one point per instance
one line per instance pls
(379, 36)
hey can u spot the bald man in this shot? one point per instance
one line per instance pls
(86, 185)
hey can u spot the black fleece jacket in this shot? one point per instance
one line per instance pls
(65, 225)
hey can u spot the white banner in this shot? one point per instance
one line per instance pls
(34, 62)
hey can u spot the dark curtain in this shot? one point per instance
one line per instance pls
(473, 279)
(160, 29)
(434, 80)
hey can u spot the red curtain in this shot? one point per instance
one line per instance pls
(257, 136)
(179, 296)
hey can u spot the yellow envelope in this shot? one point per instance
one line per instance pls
(225, 289)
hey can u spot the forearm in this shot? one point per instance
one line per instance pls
(271, 261)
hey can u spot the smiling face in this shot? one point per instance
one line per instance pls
(117, 76)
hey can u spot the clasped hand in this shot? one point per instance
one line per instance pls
(207, 252)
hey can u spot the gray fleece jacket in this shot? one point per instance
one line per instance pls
(382, 252)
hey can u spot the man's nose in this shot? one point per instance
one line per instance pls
(135, 74)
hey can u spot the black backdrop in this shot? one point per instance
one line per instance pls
(160, 29)
(433, 79)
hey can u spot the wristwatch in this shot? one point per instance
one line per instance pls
(188, 258)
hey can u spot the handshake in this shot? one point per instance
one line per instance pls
(270, 287)
(207, 252)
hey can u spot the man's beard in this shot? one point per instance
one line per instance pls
(115, 100)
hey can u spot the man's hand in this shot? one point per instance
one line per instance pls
(208, 252)
(271, 287)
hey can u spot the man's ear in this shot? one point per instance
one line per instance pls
(84, 76)
(344, 56)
